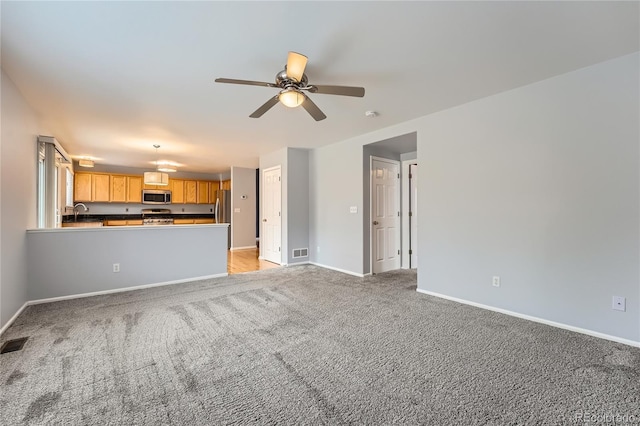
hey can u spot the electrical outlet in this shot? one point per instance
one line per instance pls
(619, 303)
(496, 281)
(353, 209)
(116, 267)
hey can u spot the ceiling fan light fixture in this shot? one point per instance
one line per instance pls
(291, 98)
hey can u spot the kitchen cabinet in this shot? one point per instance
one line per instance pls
(118, 189)
(128, 222)
(134, 189)
(190, 192)
(198, 221)
(226, 184)
(100, 188)
(82, 187)
(203, 192)
(177, 191)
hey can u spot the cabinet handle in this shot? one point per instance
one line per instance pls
(264, 220)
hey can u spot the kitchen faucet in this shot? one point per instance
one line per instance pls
(75, 211)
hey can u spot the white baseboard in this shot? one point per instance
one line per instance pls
(344, 271)
(13, 318)
(100, 293)
(535, 319)
(243, 248)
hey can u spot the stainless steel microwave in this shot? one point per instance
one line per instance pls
(156, 196)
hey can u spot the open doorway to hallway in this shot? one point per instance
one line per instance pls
(402, 149)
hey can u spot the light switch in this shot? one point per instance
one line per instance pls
(353, 209)
(236, 210)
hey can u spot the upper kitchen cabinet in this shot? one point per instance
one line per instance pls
(203, 192)
(190, 191)
(91, 187)
(82, 187)
(126, 189)
(226, 184)
(177, 191)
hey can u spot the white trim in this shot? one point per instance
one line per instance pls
(242, 248)
(535, 319)
(13, 318)
(121, 290)
(100, 293)
(344, 271)
(404, 211)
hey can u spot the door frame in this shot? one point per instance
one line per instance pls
(371, 247)
(262, 189)
(404, 212)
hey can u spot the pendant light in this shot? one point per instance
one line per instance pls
(157, 177)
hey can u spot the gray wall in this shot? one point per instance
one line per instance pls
(298, 203)
(539, 185)
(243, 222)
(18, 196)
(147, 255)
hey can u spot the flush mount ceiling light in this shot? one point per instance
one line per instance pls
(156, 178)
(85, 162)
(166, 167)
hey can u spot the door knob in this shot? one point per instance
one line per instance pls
(375, 222)
(264, 220)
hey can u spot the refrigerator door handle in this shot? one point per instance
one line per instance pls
(217, 210)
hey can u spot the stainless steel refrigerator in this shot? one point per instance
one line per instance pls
(223, 210)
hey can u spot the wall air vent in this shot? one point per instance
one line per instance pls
(303, 252)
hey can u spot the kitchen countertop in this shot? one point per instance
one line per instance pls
(104, 217)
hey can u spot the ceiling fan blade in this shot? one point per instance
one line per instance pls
(247, 82)
(313, 109)
(337, 90)
(265, 107)
(296, 63)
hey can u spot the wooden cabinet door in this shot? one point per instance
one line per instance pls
(118, 188)
(177, 191)
(100, 188)
(202, 221)
(134, 189)
(190, 191)
(81, 187)
(183, 221)
(226, 184)
(203, 192)
(213, 187)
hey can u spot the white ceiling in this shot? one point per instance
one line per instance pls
(110, 79)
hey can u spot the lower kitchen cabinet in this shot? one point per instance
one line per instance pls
(130, 222)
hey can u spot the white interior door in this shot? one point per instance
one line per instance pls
(413, 216)
(385, 214)
(270, 237)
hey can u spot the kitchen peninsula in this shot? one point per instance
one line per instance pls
(70, 262)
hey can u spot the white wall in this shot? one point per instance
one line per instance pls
(146, 254)
(539, 185)
(18, 196)
(243, 210)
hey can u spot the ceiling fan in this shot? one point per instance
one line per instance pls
(292, 81)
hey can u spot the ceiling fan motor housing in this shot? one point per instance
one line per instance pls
(283, 80)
